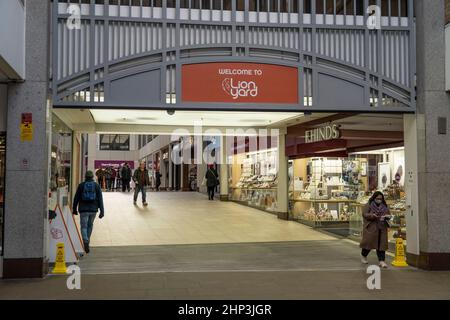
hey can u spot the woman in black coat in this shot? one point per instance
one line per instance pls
(212, 181)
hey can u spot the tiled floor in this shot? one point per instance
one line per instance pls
(189, 218)
(333, 255)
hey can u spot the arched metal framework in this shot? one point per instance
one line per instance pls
(343, 65)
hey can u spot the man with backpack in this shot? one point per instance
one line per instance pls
(88, 200)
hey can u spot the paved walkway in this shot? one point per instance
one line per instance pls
(189, 218)
(340, 284)
(251, 255)
(329, 255)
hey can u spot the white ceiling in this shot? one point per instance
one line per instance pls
(190, 118)
(159, 121)
(373, 122)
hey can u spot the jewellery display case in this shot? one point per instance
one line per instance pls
(320, 196)
(254, 179)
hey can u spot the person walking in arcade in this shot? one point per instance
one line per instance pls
(87, 201)
(212, 181)
(142, 180)
(126, 177)
(376, 215)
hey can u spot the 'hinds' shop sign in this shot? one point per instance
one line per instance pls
(239, 83)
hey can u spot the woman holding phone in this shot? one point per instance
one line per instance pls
(376, 215)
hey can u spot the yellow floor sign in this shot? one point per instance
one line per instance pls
(400, 257)
(60, 263)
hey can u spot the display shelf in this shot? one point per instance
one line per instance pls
(399, 212)
(241, 188)
(245, 203)
(259, 198)
(324, 223)
(323, 201)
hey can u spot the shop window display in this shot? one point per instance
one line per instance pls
(331, 192)
(322, 189)
(388, 177)
(254, 179)
(61, 153)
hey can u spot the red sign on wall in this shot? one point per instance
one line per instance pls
(239, 83)
(27, 118)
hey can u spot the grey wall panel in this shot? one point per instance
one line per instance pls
(3, 106)
(142, 88)
(333, 91)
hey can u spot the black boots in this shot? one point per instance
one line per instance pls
(86, 246)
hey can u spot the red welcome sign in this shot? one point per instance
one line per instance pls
(239, 83)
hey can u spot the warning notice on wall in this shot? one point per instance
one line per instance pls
(26, 132)
(26, 127)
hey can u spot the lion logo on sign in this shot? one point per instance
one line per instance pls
(239, 89)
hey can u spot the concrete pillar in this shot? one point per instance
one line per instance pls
(223, 174)
(282, 188)
(182, 173)
(161, 168)
(433, 147)
(75, 164)
(185, 169)
(3, 106)
(153, 168)
(170, 185)
(411, 183)
(201, 172)
(92, 150)
(27, 163)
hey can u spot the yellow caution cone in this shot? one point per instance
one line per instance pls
(60, 262)
(400, 258)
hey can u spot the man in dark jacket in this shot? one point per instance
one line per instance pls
(100, 177)
(88, 200)
(158, 176)
(141, 179)
(108, 178)
(126, 177)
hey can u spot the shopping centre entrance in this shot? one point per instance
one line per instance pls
(319, 118)
(309, 187)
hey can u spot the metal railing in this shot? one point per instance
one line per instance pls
(121, 37)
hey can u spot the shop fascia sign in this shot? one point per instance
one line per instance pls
(325, 133)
